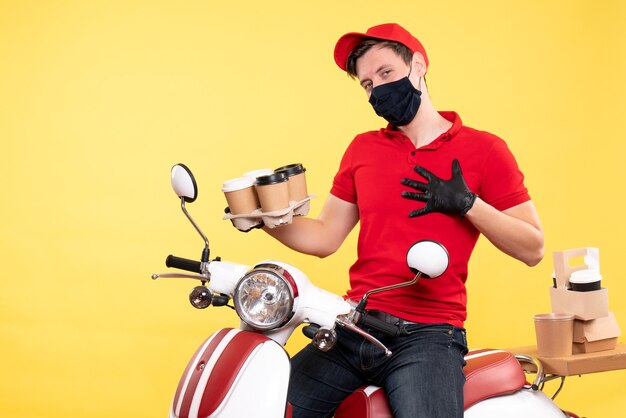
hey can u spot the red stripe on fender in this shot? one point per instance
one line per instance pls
(226, 370)
(197, 372)
(181, 382)
(183, 378)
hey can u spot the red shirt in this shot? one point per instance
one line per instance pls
(369, 176)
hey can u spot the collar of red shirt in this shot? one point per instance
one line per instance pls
(393, 132)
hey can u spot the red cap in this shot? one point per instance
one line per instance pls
(386, 31)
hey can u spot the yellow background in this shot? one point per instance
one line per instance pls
(99, 98)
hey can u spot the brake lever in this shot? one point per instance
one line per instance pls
(180, 276)
(349, 325)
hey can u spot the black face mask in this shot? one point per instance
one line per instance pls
(397, 101)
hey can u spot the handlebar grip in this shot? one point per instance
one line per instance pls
(380, 325)
(310, 330)
(183, 263)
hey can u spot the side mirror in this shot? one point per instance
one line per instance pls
(428, 257)
(183, 183)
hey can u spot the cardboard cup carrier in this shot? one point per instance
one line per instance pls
(578, 288)
(268, 197)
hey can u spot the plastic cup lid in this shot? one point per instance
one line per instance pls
(585, 276)
(554, 317)
(239, 183)
(291, 169)
(256, 173)
(271, 179)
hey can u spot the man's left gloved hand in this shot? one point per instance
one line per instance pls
(452, 197)
(254, 226)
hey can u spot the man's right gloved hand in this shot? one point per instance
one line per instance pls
(451, 196)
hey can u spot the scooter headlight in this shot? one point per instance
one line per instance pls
(264, 297)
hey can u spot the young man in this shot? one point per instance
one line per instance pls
(424, 176)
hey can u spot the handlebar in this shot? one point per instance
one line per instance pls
(183, 263)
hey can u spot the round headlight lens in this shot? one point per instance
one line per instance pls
(264, 298)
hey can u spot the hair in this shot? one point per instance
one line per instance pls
(403, 52)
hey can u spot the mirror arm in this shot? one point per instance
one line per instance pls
(205, 252)
(361, 306)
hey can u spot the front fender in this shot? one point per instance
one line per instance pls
(232, 370)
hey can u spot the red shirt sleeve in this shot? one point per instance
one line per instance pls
(503, 182)
(343, 184)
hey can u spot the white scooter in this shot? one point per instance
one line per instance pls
(245, 372)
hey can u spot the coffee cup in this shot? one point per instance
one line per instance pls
(257, 173)
(273, 192)
(585, 280)
(240, 195)
(297, 181)
(555, 333)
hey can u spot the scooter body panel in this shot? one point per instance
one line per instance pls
(522, 404)
(232, 373)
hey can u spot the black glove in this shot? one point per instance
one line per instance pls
(257, 226)
(446, 196)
